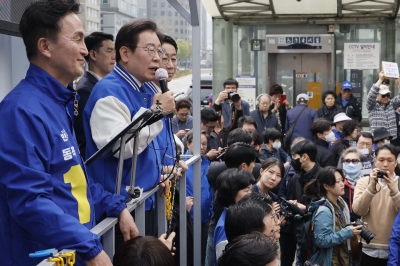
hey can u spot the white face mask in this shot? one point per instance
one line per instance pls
(398, 160)
(330, 137)
(276, 145)
(386, 141)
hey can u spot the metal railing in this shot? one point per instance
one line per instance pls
(105, 229)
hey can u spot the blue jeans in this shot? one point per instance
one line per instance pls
(210, 252)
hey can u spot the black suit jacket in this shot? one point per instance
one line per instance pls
(84, 88)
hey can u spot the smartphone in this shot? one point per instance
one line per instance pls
(283, 99)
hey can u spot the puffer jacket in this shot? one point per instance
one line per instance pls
(325, 237)
(382, 115)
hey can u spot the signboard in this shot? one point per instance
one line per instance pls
(307, 43)
(247, 89)
(361, 55)
(301, 75)
(390, 69)
(356, 79)
(256, 44)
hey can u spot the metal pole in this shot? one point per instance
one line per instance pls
(120, 165)
(134, 160)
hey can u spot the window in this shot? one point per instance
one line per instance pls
(154, 4)
(162, 13)
(181, 31)
(181, 22)
(162, 4)
(154, 13)
(169, 5)
(169, 13)
(176, 31)
(176, 22)
(185, 31)
(176, 14)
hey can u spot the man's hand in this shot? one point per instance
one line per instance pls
(213, 154)
(169, 242)
(391, 184)
(181, 133)
(102, 259)
(166, 100)
(238, 104)
(373, 180)
(183, 166)
(189, 203)
(286, 164)
(222, 96)
(164, 185)
(127, 225)
(381, 78)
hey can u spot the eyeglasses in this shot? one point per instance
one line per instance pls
(362, 144)
(165, 60)
(183, 115)
(353, 161)
(152, 51)
(265, 104)
(211, 127)
(276, 217)
(386, 95)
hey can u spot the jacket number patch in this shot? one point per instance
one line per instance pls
(76, 178)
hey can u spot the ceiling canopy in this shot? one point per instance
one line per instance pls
(250, 12)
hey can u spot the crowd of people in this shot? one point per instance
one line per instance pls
(280, 184)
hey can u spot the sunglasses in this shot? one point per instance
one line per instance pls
(386, 95)
(353, 161)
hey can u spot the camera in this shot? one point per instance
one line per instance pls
(233, 96)
(289, 210)
(365, 233)
(381, 174)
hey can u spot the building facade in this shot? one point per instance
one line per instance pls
(115, 13)
(90, 15)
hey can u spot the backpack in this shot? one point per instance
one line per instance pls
(305, 237)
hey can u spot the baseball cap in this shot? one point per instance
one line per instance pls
(302, 97)
(383, 89)
(340, 117)
(346, 85)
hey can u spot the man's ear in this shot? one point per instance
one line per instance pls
(92, 55)
(44, 47)
(124, 53)
(242, 166)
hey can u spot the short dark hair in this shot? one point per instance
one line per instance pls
(170, 40)
(41, 19)
(255, 249)
(275, 89)
(128, 35)
(183, 103)
(246, 120)
(325, 94)
(348, 128)
(189, 136)
(388, 147)
(306, 147)
(94, 41)
(271, 134)
(143, 251)
(231, 81)
(315, 188)
(238, 135)
(239, 153)
(247, 215)
(229, 183)
(366, 135)
(320, 125)
(208, 114)
(256, 138)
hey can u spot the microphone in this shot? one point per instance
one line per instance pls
(161, 76)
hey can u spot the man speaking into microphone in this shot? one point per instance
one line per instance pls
(114, 102)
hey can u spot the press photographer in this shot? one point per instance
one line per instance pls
(377, 201)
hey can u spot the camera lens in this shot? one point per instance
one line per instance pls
(235, 98)
(366, 234)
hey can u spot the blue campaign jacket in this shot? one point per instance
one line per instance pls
(394, 244)
(104, 170)
(46, 198)
(325, 237)
(206, 190)
(220, 239)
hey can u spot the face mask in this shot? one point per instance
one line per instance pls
(386, 141)
(398, 160)
(352, 171)
(330, 137)
(276, 145)
(296, 164)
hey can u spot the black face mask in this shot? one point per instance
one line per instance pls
(296, 164)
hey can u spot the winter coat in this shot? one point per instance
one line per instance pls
(325, 112)
(352, 108)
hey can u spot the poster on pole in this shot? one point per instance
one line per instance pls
(390, 69)
(247, 89)
(361, 55)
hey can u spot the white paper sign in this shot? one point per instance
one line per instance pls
(361, 55)
(247, 89)
(390, 69)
